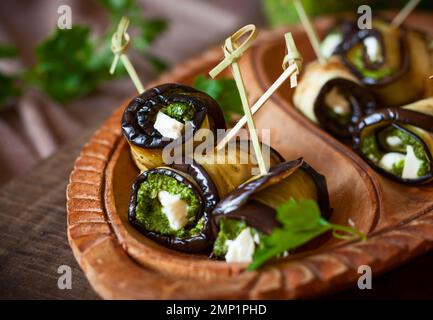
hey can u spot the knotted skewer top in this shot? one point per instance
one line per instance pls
(233, 50)
(120, 43)
(292, 57)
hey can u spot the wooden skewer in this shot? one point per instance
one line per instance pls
(259, 103)
(311, 33)
(233, 52)
(404, 13)
(119, 49)
(291, 65)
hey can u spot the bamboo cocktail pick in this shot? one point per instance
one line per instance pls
(291, 65)
(233, 52)
(311, 32)
(120, 43)
(404, 13)
(293, 57)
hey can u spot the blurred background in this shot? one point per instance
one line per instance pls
(55, 83)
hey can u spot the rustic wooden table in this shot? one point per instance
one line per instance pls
(33, 242)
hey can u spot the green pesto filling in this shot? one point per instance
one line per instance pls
(397, 169)
(371, 148)
(180, 111)
(342, 119)
(229, 229)
(149, 210)
(358, 62)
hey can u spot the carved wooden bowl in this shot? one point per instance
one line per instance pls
(121, 263)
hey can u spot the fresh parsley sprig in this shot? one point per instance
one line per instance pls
(147, 30)
(71, 63)
(8, 83)
(301, 222)
(66, 68)
(224, 91)
(7, 51)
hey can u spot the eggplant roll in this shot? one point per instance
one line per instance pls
(161, 115)
(249, 212)
(398, 142)
(394, 62)
(332, 97)
(172, 205)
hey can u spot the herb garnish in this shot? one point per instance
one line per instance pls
(147, 30)
(301, 222)
(8, 85)
(224, 91)
(71, 63)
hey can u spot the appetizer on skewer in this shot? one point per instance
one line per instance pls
(173, 205)
(329, 95)
(394, 62)
(169, 113)
(399, 141)
(249, 212)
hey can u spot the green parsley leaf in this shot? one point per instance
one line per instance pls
(119, 6)
(8, 88)
(301, 222)
(147, 30)
(151, 29)
(8, 83)
(289, 214)
(7, 51)
(282, 240)
(157, 64)
(224, 91)
(70, 64)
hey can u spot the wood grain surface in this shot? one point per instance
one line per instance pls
(33, 232)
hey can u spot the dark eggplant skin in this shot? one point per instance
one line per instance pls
(136, 123)
(352, 36)
(395, 116)
(263, 218)
(204, 189)
(362, 104)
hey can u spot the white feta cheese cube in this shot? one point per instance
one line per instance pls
(337, 102)
(393, 141)
(174, 208)
(242, 248)
(389, 159)
(167, 126)
(411, 164)
(373, 49)
(330, 43)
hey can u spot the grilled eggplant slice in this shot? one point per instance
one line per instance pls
(174, 207)
(332, 97)
(248, 212)
(161, 116)
(398, 142)
(235, 165)
(394, 62)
